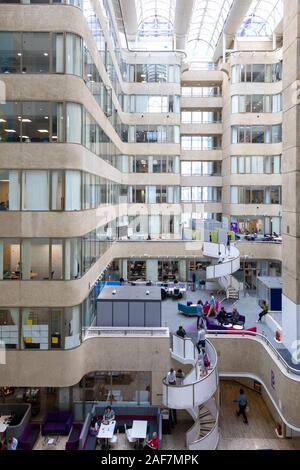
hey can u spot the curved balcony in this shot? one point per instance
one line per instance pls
(204, 434)
(197, 388)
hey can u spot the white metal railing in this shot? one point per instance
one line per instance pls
(94, 332)
(184, 350)
(211, 439)
(196, 389)
(258, 336)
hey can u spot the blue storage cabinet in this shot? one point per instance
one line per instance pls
(270, 289)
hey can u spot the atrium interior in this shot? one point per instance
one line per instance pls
(149, 181)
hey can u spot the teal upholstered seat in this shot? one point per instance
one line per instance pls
(189, 311)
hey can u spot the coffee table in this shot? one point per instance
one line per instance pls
(50, 442)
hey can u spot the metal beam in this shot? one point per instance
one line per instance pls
(235, 18)
(130, 18)
(183, 15)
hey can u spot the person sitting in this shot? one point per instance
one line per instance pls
(95, 425)
(12, 443)
(222, 316)
(236, 317)
(181, 332)
(108, 415)
(152, 443)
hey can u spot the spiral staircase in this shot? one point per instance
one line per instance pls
(195, 394)
(223, 272)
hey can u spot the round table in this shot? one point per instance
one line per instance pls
(238, 327)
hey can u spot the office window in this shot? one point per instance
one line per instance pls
(72, 190)
(258, 73)
(10, 259)
(185, 194)
(74, 122)
(35, 190)
(10, 52)
(36, 122)
(36, 53)
(9, 190)
(186, 168)
(9, 327)
(10, 124)
(74, 54)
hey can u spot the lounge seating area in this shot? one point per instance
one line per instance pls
(125, 415)
(57, 422)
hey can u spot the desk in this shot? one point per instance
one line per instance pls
(139, 431)
(4, 423)
(106, 432)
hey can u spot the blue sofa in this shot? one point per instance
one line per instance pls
(190, 311)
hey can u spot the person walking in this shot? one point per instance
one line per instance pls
(180, 375)
(265, 311)
(228, 243)
(171, 377)
(212, 305)
(243, 403)
(201, 339)
(200, 313)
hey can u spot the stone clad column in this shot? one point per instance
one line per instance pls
(291, 175)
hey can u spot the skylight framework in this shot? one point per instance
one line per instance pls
(155, 17)
(207, 24)
(262, 18)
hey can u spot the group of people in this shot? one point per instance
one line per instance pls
(224, 318)
(109, 416)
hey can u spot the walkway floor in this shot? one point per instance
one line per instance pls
(247, 305)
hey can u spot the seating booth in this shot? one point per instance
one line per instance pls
(124, 415)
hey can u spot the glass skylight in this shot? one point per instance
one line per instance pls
(156, 19)
(262, 18)
(207, 24)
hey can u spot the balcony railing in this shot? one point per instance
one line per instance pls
(95, 332)
(195, 389)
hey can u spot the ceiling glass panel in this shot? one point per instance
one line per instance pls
(263, 18)
(156, 18)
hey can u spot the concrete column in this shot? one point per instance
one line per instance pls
(182, 270)
(124, 268)
(291, 175)
(67, 260)
(1, 259)
(26, 259)
(152, 270)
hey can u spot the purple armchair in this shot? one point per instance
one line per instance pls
(57, 422)
(29, 436)
(73, 441)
